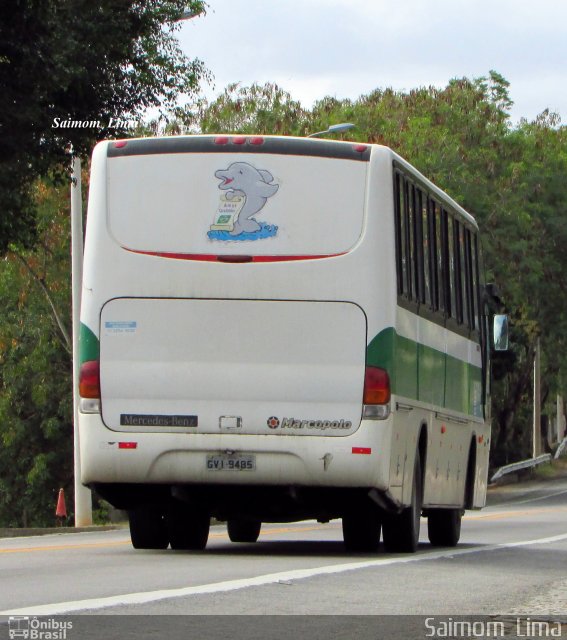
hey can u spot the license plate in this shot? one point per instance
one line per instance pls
(226, 462)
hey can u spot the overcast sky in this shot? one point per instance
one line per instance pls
(346, 48)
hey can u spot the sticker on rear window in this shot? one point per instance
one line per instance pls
(115, 327)
(245, 192)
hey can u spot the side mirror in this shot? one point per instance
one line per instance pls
(500, 332)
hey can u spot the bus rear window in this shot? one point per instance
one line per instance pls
(231, 204)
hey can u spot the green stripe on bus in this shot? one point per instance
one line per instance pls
(422, 373)
(89, 345)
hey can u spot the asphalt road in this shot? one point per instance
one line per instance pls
(511, 562)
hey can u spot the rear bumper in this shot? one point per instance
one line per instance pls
(358, 460)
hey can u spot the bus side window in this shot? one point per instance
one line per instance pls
(426, 249)
(448, 264)
(398, 208)
(402, 255)
(454, 311)
(410, 235)
(460, 288)
(470, 281)
(433, 248)
(441, 258)
(476, 282)
(418, 238)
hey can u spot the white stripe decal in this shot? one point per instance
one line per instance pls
(271, 578)
(429, 334)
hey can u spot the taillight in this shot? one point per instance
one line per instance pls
(376, 386)
(240, 140)
(89, 379)
(376, 396)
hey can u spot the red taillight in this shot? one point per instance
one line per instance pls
(376, 386)
(89, 379)
(240, 140)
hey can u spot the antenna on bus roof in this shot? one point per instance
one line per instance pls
(334, 128)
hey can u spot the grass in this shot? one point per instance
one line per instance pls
(554, 469)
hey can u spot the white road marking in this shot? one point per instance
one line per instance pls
(538, 499)
(271, 578)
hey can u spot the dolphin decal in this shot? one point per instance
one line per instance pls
(243, 181)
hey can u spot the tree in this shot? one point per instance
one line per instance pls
(75, 61)
(264, 109)
(532, 266)
(36, 421)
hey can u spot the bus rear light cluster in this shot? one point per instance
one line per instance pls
(89, 387)
(376, 399)
(239, 140)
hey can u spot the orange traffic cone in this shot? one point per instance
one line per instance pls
(61, 510)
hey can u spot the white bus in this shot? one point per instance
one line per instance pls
(276, 329)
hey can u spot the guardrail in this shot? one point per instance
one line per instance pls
(519, 466)
(561, 449)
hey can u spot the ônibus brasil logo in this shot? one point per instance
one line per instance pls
(37, 628)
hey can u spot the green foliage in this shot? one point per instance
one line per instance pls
(36, 432)
(101, 511)
(266, 109)
(80, 61)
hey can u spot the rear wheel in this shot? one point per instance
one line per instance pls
(243, 530)
(187, 526)
(401, 531)
(444, 527)
(148, 529)
(361, 528)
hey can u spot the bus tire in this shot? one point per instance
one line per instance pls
(188, 527)
(401, 531)
(243, 530)
(444, 527)
(148, 529)
(361, 529)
